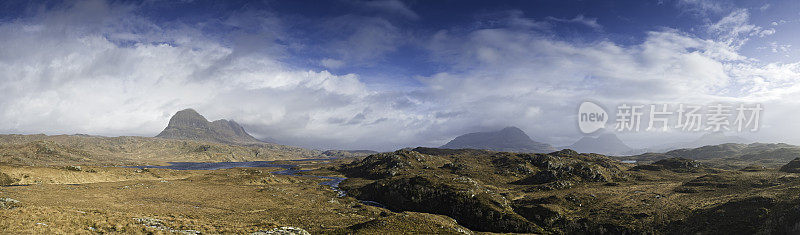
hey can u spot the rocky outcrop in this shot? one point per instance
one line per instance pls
(461, 198)
(792, 167)
(752, 215)
(6, 180)
(509, 139)
(189, 125)
(463, 184)
(679, 165)
(754, 168)
(383, 165)
(397, 223)
(564, 168)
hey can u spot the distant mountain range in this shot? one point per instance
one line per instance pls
(509, 139)
(728, 156)
(607, 144)
(715, 138)
(187, 124)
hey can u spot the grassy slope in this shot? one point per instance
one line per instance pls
(92, 150)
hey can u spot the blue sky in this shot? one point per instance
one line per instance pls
(389, 74)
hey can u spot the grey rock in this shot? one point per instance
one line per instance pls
(8, 203)
(283, 231)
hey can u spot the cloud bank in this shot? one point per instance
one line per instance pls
(99, 68)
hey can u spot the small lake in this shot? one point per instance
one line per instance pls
(629, 161)
(288, 169)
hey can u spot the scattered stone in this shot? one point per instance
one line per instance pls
(8, 203)
(74, 168)
(283, 231)
(149, 222)
(159, 224)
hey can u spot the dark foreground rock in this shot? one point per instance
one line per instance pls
(463, 184)
(792, 167)
(566, 192)
(6, 180)
(753, 215)
(461, 198)
(680, 165)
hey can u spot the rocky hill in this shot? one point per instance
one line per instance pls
(189, 125)
(509, 139)
(714, 138)
(467, 184)
(566, 192)
(792, 167)
(607, 144)
(729, 156)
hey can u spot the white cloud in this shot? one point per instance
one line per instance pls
(65, 72)
(392, 6)
(332, 63)
(735, 28)
(502, 71)
(73, 77)
(580, 19)
(360, 39)
(701, 7)
(765, 7)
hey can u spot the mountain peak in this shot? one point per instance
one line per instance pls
(188, 111)
(187, 117)
(604, 144)
(509, 139)
(512, 129)
(188, 124)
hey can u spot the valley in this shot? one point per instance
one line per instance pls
(182, 183)
(421, 190)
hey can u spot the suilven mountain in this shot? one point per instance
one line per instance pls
(187, 124)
